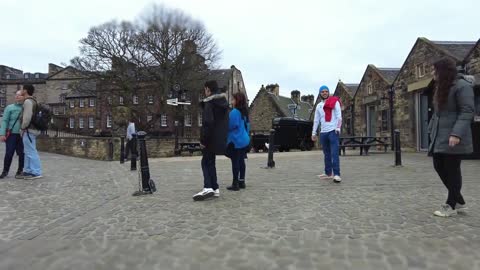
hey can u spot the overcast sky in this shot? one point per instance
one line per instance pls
(299, 44)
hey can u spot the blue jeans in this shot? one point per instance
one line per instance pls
(330, 142)
(209, 170)
(238, 164)
(13, 144)
(32, 160)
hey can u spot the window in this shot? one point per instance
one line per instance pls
(120, 100)
(91, 102)
(188, 120)
(62, 98)
(200, 118)
(150, 99)
(370, 88)
(135, 99)
(149, 118)
(72, 104)
(55, 111)
(8, 77)
(80, 122)
(91, 122)
(82, 103)
(420, 70)
(25, 76)
(163, 120)
(64, 86)
(64, 110)
(2, 102)
(72, 122)
(37, 76)
(109, 121)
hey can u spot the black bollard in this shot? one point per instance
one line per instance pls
(398, 151)
(271, 148)
(146, 186)
(122, 150)
(133, 153)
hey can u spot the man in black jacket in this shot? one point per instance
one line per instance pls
(213, 137)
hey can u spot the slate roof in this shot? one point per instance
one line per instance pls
(303, 109)
(459, 49)
(389, 73)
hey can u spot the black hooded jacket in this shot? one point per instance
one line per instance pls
(213, 134)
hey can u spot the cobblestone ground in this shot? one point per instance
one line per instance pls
(81, 216)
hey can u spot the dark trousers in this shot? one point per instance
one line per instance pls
(209, 170)
(14, 144)
(238, 164)
(448, 168)
(129, 147)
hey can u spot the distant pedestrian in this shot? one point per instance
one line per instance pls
(450, 131)
(328, 114)
(213, 137)
(238, 140)
(131, 134)
(10, 134)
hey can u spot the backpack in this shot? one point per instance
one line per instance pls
(41, 116)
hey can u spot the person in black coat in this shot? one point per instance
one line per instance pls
(213, 137)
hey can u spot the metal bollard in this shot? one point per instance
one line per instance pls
(271, 148)
(146, 185)
(122, 150)
(398, 151)
(134, 153)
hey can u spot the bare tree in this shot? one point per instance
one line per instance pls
(162, 48)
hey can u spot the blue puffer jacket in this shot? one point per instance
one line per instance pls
(238, 130)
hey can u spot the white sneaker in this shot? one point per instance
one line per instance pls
(446, 211)
(461, 207)
(216, 193)
(337, 179)
(324, 176)
(204, 194)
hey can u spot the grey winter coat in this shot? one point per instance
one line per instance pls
(454, 119)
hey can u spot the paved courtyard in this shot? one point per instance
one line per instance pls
(81, 216)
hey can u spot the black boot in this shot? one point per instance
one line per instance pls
(241, 184)
(3, 175)
(234, 186)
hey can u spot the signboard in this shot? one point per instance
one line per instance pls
(175, 102)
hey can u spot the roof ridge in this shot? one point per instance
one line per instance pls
(453, 42)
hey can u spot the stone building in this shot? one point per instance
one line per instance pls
(346, 92)
(268, 104)
(81, 111)
(372, 114)
(413, 87)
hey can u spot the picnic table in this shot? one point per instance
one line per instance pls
(363, 142)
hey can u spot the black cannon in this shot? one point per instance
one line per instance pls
(291, 133)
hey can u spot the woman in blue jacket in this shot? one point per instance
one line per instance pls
(238, 139)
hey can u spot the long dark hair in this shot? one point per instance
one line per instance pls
(241, 103)
(445, 72)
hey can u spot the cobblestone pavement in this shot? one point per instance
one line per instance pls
(81, 216)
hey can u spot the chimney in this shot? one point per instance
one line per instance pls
(311, 99)
(52, 69)
(274, 89)
(295, 94)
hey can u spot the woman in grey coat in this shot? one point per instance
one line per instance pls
(450, 131)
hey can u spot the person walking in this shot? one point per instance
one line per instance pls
(213, 137)
(238, 140)
(450, 131)
(10, 134)
(131, 134)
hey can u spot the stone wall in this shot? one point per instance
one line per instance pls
(100, 148)
(473, 61)
(363, 99)
(347, 102)
(262, 111)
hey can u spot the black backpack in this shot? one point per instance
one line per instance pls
(41, 116)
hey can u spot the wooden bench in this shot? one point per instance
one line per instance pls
(188, 146)
(362, 142)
